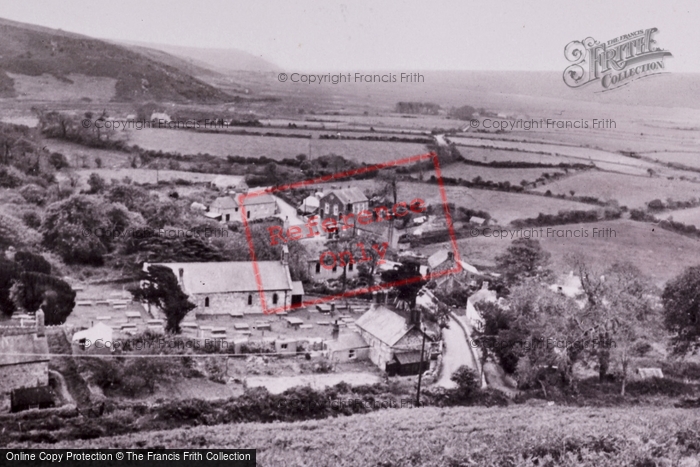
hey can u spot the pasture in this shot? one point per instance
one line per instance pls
(603, 159)
(429, 436)
(514, 176)
(504, 207)
(645, 245)
(685, 216)
(222, 145)
(628, 190)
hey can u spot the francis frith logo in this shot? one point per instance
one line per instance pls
(614, 63)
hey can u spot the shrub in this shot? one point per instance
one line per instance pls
(33, 194)
(31, 219)
(468, 382)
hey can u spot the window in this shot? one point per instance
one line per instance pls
(228, 217)
(327, 208)
(248, 214)
(275, 298)
(335, 268)
(335, 209)
(283, 346)
(236, 209)
(351, 354)
(351, 266)
(206, 301)
(349, 208)
(318, 268)
(250, 299)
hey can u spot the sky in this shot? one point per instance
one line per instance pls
(327, 36)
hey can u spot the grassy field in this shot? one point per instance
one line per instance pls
(603, 159)
(630, 191)
(636, 242)
(688, 158)
(220, 144)
(150, 175)
(686, 216)
(515, 435)
(514, 176)
(504, 207)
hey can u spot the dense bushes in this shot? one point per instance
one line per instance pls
(568, 217)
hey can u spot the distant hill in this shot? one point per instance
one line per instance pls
(35, 51)
(221, 60)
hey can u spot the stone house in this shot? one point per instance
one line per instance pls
(347, 347)
(387, 334)
(341, 202)
(24, 357)
(230, 287)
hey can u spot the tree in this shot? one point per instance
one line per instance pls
(31, 262)
(9, 273)
(96, 183)
(468, 382)
(160, 287)
(407, 278)
(524, 259)
(34, 290)
(681, 307)
(80, 229)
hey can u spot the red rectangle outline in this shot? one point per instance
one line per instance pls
(326, 178)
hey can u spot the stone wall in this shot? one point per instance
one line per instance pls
(225, 303)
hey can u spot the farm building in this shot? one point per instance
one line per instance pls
(348, 347)
(484, 295)
(408, 363)
(444, 260)
(228, 208)
(259, 207)
(230, 182)
(225, 287)
(224, 208)
(310, 204)
(388, 333)
(41, 397)
(24, 357)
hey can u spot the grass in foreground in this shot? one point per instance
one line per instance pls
(516, 435)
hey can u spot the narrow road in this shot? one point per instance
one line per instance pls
(289, 212)
(457, 353)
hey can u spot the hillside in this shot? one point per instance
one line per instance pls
(449, 437)
(35, 51)
(216, 59)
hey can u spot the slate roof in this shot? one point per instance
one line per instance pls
(231, 276)
(297, 288)
(384, 324)
(405, 358)
(349, 195)
(265, 198)
(347, 341)
(23, 348)
(224, 202)
(437, 258)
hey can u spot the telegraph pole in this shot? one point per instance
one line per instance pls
(420, 368)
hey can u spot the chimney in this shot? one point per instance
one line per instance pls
(40, 329)
(285, 255)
